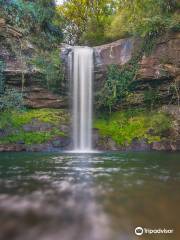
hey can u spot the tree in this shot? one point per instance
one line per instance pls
(143, 17)
(31, 15)
(85, 20)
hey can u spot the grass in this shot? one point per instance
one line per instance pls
(30, 137)
(125, 126)
(15, 120)
(18, 119)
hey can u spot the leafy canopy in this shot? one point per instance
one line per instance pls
(31, 16)
(144, 17)
(85, 20)
(96, 22)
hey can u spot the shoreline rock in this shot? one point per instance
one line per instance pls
(56, 146)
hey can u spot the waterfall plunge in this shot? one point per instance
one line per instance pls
(80, 62)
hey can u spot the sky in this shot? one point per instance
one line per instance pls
(58, 2)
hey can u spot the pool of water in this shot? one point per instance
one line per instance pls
(101, 196)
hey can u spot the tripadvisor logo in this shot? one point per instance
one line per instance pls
(140, 231)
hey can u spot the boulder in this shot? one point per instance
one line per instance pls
(12, 148)
(166, 145)
(61, 142)
(118, 52)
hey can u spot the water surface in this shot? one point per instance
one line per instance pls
(88, 196)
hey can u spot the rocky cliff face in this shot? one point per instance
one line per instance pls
(159, 71)
(157, 76)
(118, 53)
(20, 73)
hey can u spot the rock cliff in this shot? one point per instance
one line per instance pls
(159, 71)
(18, 53)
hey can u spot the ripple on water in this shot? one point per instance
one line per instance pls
(88, 196)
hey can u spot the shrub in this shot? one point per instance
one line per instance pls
(151, 98)
(117, 85)
(14, 122)
(144, 18)
(50, 65)
(160, 123)
(123, 127)
(30, 137)
(11, 99)
(2, 82)
(33, 17)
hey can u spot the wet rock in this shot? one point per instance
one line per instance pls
(139, 145)
(65, 128)
(12, 148)
(95, 137)
(112, 144)
(44, 147)
(61, 142)
(104, 143)
(37, 126)
(108, 144)
(167, 145)
(56, 144)
(118, 52)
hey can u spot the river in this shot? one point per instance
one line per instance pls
(100, 196)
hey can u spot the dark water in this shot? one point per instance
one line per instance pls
(88, 197)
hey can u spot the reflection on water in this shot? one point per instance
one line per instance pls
(88, 196)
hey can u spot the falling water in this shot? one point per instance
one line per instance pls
(81, 75)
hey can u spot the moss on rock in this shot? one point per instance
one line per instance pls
(32, 126)
(125, 126)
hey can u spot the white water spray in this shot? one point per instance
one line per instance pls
(81, 75)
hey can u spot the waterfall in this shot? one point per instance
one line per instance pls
(80, 62)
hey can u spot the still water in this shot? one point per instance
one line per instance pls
(88, 196)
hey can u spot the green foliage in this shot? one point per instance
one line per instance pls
(151, 98)
(144, 18)
(149, 42)
(14, 121)
(37, 22)
(2, 80)
(30, 137)
(96, 22)
(160, 123)
(123, 127)
(35, 17)
(94, 35)
(50, 65)
(11, 99)
(18, 119)
(19, 12)
(117, 85)
(85, 21)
